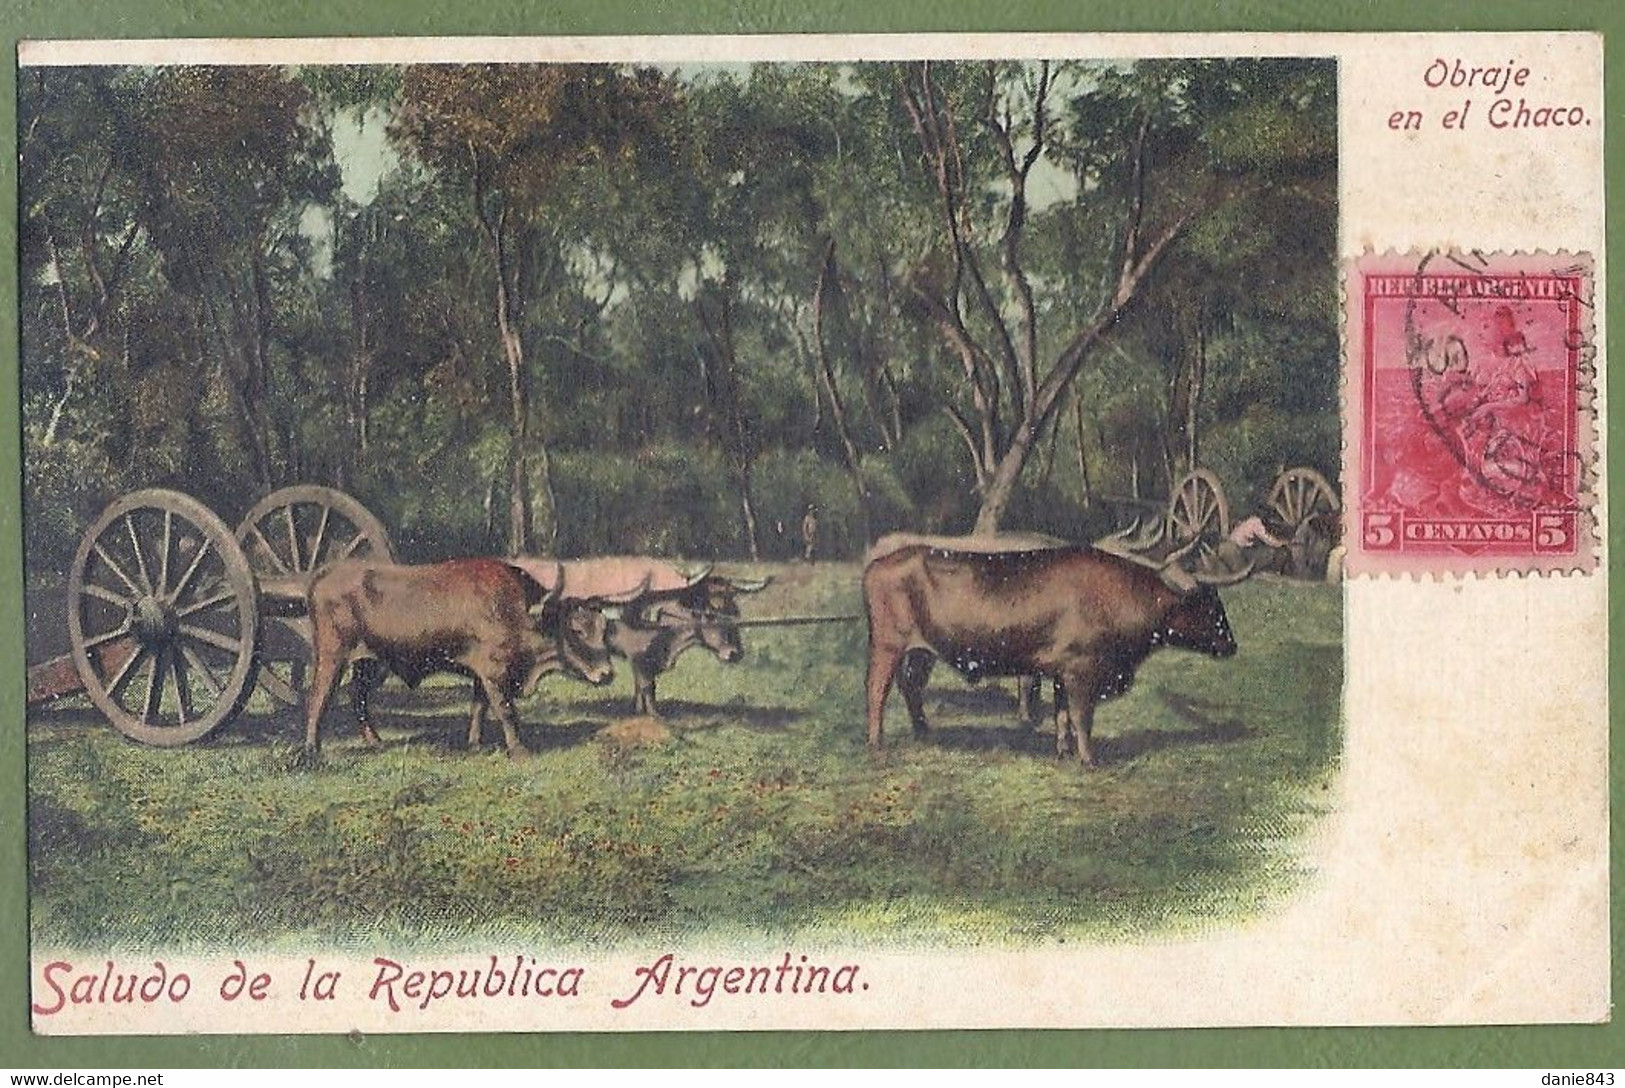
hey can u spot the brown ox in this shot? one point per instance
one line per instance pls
(483, 618)
(1084, 617)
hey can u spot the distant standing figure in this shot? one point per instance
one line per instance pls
(809, 533)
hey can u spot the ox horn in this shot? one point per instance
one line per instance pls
(1173, 557)
(1171, 562)
(550, 593)
(1123, 535)
(750, 585)
(627, 597)
(1157, 533)
(698, 574)
(1176, 576)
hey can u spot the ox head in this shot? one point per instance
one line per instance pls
(707, 611)
(717, 600)
(1197, 622)
(1195, 618)
(580, 628)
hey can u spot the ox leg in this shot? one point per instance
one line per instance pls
(1080, 711)
(1063, 725)
(643, 693)
(476, 718)
(883, 662)
(329, 654)
(911, 680)
(500, 701)
(1027, 697)
(364, 677)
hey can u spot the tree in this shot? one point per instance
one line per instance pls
(513, 137)
(1147, 146)
(226, 161)
(79, 224)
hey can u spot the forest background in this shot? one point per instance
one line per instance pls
(586, 309)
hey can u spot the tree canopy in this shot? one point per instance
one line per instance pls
(586, 308)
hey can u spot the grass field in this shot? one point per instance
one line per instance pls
(753, 808)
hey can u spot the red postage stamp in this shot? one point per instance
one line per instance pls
(1469, 413)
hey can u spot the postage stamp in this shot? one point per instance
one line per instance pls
(1470, 412)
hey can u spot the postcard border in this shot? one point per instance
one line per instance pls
(1547, 1046)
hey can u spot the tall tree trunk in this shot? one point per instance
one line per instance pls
(720, 382)
(508, 302)
(1193, 398)
(543, 501)
(513, 353)
(260, 365)
(1083, 460)
(747, 508)
(1001, 485)
(826, 373)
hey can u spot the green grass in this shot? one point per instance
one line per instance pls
(758, 812)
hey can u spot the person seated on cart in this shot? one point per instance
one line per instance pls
(1250, 543)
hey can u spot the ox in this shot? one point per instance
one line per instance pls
(676, 611)
(1084, 617)
(483, 618)
(985, 543)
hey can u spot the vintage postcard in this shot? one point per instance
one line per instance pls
(820, 532)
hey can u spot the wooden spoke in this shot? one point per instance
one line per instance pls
(186, 578)
(208, 602)
(108, 636)
(183, 697)
(91, 589)
(350, 548)
(135, 546)
(101, 552)
(152, 703)
(213, 638)
(321, 535)
(270, 552)
(163, 556)
(293, 539)
(195, 662)
(122, 675)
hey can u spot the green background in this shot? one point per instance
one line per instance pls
(1562, 1047)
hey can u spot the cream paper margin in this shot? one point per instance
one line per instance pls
(1463, 873)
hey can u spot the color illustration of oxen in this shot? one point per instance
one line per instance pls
(678, 609)
(1085, 617)
(487, 619)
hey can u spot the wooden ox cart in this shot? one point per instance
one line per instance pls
(1302, 508)
(173, 618)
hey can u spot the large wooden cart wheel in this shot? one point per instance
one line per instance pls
(288, 536)
(162, 618)
(1299, 494)
(1198, 511)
